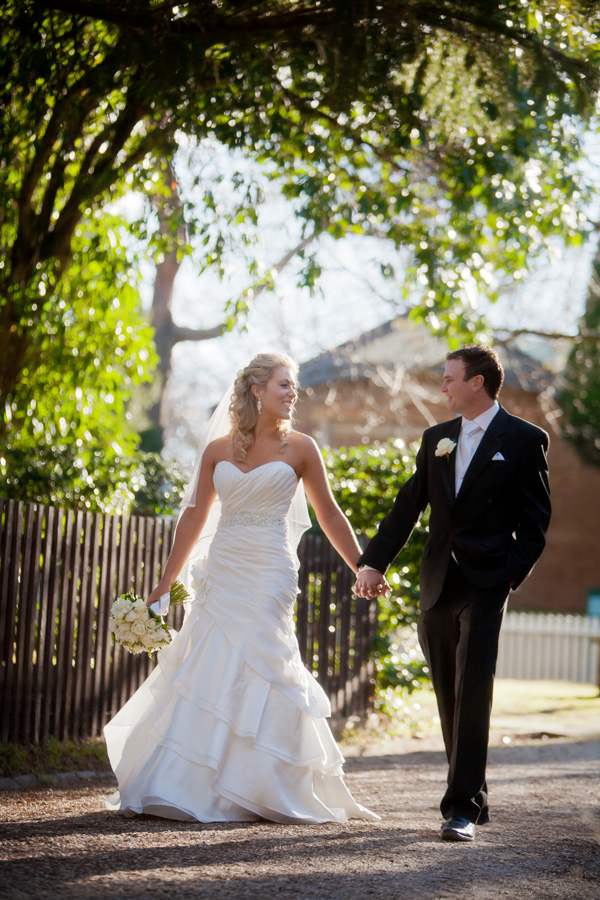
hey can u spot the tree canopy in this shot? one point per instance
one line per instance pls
(580, 393)
(449, 127)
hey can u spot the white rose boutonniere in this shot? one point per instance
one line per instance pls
(445, 447)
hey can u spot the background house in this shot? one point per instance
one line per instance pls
(386, 385)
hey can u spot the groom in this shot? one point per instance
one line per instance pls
(485, 477)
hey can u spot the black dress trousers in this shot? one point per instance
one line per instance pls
(459, 636)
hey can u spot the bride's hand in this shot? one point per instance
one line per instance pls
(157, 593)
(370, 583)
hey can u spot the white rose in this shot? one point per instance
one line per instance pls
(445, 447)
(135, 627)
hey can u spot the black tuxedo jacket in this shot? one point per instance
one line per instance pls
(495, 526)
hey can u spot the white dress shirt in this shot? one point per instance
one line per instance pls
(471, 432)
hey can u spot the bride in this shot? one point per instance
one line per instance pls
(230, 726)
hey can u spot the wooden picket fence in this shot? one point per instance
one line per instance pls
(60, 571)
(550, 646)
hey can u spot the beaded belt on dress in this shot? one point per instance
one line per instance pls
(251, 518)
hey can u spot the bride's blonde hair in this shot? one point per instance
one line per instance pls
(243, 408)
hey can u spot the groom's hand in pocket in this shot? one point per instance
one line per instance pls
(370, 583)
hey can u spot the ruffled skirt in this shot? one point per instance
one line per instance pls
(215, 736)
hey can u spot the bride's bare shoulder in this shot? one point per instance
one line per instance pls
(303, 443)
(218, 449)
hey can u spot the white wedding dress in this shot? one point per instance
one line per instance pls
(230, 726)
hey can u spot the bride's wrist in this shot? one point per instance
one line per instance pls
(165, 584)
(162, 588)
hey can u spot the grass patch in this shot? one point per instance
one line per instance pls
(51, 757)
(562, 700)
(555, 706)
(544, 697)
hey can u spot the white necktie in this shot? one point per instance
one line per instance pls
(470, 435)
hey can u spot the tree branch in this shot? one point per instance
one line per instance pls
(443, 18)
(258, 288)
(207, 19)
(585, 337)
(180, 333)
(89, 186)
(73, 107)
(197, 334)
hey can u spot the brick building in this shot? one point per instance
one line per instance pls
(386, 385)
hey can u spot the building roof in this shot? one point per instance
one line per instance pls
(404, 344)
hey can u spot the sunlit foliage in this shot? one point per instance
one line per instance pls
(450, 128)
(365, 481)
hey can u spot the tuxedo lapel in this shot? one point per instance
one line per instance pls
(489, 445)
(449, 467)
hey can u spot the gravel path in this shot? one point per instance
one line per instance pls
(543, 842)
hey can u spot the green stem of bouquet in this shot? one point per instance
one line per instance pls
(178, 594)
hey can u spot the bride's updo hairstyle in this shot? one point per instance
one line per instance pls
(243, 408)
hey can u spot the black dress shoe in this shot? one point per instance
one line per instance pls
(458, 829)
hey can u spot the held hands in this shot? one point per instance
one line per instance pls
(370, 583)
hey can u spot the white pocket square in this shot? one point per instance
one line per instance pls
(498, 456)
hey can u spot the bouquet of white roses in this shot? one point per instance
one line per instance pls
(136, 627)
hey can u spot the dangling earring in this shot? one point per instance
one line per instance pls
(259, 406)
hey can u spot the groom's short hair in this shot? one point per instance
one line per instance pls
(481, 360)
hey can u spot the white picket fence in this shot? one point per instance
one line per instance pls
(550, 646)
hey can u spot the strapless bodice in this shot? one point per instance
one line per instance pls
(260, 495)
